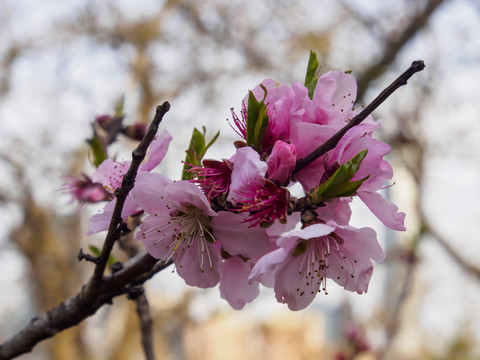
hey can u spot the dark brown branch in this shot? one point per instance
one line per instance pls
(332, 142)
(99, 290)
(76, 309)
(146, 326)
(121, 194)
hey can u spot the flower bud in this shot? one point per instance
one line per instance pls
(281, 162)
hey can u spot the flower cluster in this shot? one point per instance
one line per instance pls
(234, 222)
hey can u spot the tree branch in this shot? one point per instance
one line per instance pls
(332, 142)
(76, 309)
(453, 253)
(99, 290)
(146, 326)
(121, 195)
(392, 48)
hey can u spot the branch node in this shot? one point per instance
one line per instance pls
(116, 267)
(134, 292)
(87, 257)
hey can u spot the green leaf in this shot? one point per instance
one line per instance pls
(97, 150)
(197, 145)
(257, 120)
(210, 143)
(196, 151)
(119, 106)
(95, 250)
(311, 77)
(339, 184)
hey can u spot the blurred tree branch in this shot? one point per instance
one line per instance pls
(393, 45)
(99, 290)
(76, 309)
(446, 245)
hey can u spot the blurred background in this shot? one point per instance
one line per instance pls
(63, 63)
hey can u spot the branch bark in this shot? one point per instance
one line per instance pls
(76, 309)
(453, 253)
(99, 290)
(146, 326)
(121, 194)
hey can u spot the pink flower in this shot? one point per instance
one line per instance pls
(110, 174)
(181, 226)
(285, 106)
(307, 257)
(251, 192)
(374, 166)
(178, 227)
(84, 190)
(281, 162)
(306, 136)
(213, 177)
(333, 99)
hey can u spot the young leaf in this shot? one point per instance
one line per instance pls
(197, 145)
(98, 153)
(196, 151)
(311, 77)
(339, 185)
(257, 120)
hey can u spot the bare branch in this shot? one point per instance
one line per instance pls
(146, 326)
(392, 48)
(76, 309)
(99, 290)
(121, 194)
(453, 253)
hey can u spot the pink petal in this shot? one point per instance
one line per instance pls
(149, 190)
(110, 173)
(235, 287)
(101, 221)
(291, 288)
(156, 151)
(307, 137)
(187, 264)
(281, 161)
(236, 237)
(268, 264)
(185, 192)
(312, 231)
(352, 267)
(336, 90)
(337, 209)
(247, 168)
(383, 209)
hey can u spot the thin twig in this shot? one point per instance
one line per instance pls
(99, 290)
(393, 47)
(453, 253)
(332, 142)
(146, 326)
(121, 195)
